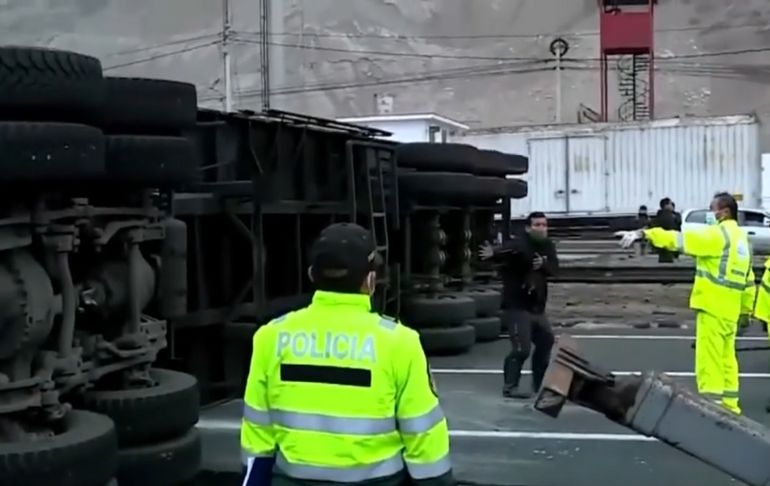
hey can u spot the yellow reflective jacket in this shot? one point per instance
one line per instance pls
(340, 394)
(724, 280)
(762, 305)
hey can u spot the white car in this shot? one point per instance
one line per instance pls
(756, 223)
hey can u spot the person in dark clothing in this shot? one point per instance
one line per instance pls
(528, 259)
(666, 219)
(677, 217)
(642, 219)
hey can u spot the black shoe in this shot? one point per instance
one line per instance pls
(514, 392)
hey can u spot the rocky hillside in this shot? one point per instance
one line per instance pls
(485, 62)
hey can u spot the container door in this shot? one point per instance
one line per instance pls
(547, 176)
(586, 174)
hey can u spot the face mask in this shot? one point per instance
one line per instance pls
(711, 218)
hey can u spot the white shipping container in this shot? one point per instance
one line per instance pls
(613, 168)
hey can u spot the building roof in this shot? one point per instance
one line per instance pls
(407, 117)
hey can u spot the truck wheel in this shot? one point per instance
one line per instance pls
(48, 84)
(451, 189)
(516, 188)
(440, 310)
(148, 105)
(169, 463)
(35, 152)
(488, 301)
(446, 341)
(152, 161)
(450, 157)
(146, 415)
(494, 163)
(487, 328)
(84, 453)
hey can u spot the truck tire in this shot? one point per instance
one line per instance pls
(34, 152)
(494, 163)
(85, 453)
(48, 84)
(146, 415)
(516, 188)
(148, 105)
(488, 301)
(439, 310)
(449, 157)
(450, 189)
(487, 328)
(152, 161)
(447, 341)
(170, 463)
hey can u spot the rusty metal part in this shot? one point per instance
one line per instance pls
(567, 374)
(655, 405)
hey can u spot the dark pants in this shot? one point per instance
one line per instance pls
(527, 329)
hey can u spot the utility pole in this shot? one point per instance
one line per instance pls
(228, 73)
(558, 48)
(264, 21)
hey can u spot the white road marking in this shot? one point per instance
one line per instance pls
(644, 337)
(480, 371)
(234, 425)
(512, 434)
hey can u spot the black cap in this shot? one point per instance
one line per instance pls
(343, 252)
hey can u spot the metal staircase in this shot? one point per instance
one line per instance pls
(633, 87)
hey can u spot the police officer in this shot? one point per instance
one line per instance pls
(722, 293)
(337, 393)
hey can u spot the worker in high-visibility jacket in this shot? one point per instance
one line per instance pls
(762, 304)
(338, 394)
(722, 293)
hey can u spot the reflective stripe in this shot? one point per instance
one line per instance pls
(731, 394)
(421, 423)
(724, 259)
(355, 474)
(259, 417)
(429, 470)
(713, 396)
(387, 323)
(246, 455)
(331, 424)
(680, 242)
(721, 282)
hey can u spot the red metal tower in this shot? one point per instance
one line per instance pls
(626, 29)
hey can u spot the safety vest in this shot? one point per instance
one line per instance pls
(722, 265)
(340, 394)
(762, 305)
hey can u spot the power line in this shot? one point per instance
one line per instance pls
(590, 33)
(475, 72)
(163, 44)
(434, 74)
(498, 58)
(392, 54)
(161, 56)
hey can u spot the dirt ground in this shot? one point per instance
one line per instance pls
(641, 305)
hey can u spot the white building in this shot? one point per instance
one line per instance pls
(427, 127)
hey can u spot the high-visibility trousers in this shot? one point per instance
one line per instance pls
(716, 362)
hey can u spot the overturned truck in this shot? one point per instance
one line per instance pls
(144, 241)
(91, 269)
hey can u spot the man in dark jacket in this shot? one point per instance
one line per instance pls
(666, 219)
(528, 260)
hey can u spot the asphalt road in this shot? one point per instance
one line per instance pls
(506, 442)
